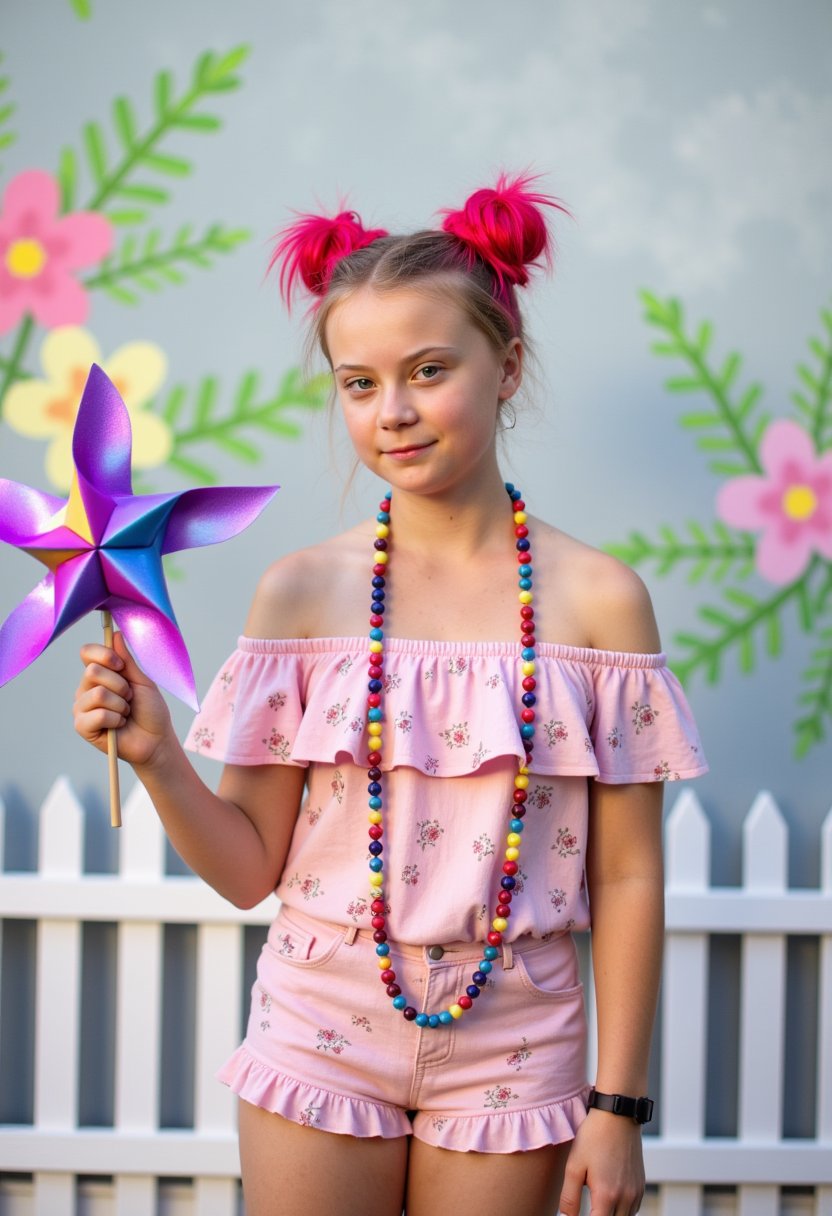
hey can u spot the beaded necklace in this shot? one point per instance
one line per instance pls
(517, 810)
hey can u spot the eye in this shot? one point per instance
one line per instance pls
(429, 371)
(361, 384)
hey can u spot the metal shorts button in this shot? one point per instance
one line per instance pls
(435, 953)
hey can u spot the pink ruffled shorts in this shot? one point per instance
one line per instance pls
(325, 1047)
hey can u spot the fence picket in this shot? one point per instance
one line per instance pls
(762, 999)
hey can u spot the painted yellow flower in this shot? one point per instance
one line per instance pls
(46, 409)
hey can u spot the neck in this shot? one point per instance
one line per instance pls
(474, 516)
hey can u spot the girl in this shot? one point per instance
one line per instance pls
(438, 805)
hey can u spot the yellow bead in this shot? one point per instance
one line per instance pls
(377, 743)
(512, 854)
(456, 1011)
(527, 668)
(381, 557)
(382, 530)
(514, 840)
(521, 782)
(500, 924)
(374, 816)
(522, 769)
(374, 728)
(383, 962)
(525, 597)
(376, 880)
(520, 517)
(376, 647)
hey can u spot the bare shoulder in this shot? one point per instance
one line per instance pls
(608, 598)
(314, 592)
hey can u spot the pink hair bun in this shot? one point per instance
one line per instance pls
(506, 227)
(311, 247)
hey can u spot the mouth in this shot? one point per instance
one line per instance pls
(412, 449)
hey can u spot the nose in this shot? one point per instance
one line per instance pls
(396, 408)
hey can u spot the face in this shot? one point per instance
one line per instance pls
(420, 386)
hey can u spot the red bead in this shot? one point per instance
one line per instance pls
(464, 1002)
(527, 639)
(494, 938)
(377, 906)
(510, 867)
(528, 626)
(393, 990)
(527, 715)
(374, 700)
(388, 976)
(384, 505)
(503, 897)
(374, 758)
(379, 936)
(376, 621)
(380, 568)
(527, 612)
(517, 504)
(375, 658)
(503, 910)
(378, 922)
(520, 795)
(529, 684)
(374, 671)
(376, 831)
(521, 530)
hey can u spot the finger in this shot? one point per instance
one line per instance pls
(95, 652)
(570, 1196)
(97, 676)
(98, 698)
(131, 669)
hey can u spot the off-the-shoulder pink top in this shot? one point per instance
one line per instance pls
(451, 751)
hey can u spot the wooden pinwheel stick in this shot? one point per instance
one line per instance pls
(112, 740)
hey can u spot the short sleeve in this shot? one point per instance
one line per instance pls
(253, 708)
(642, 728)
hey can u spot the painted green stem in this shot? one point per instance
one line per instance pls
(12, 365)
(715, 388)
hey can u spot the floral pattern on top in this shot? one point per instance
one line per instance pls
(337, 785)
(555, 731)
(309, 1116)
(662, 772)
(410, 875)
(404, 720)
(483, 846)
(309, 887)
(518, 1058)
(566, 843)
(277, 700)
(614, 738)
(331, 1040)
(278, 745)
(335, 714)
(456, 735)
(203, 739)
(557, 898)
(499, 1097)
(540, 796)
(457, 666)
(431, 764)
(643, 716)
(428, 832)
(357, 908)
(362, 1022)
(345, 665)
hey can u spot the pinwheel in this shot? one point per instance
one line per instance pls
(103, 548)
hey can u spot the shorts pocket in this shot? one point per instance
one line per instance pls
(304, 945)
(550, 971)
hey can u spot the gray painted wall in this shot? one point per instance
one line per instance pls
(691, 142)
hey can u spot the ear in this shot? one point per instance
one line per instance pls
(511, 369)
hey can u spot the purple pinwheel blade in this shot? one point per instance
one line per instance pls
(208, 516)
(25, 513)
(27, 630)
(102, 439)
(158, 648)
(137, 521)
(79, 589)
(136, 575)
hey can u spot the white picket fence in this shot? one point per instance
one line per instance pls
(56, 1168)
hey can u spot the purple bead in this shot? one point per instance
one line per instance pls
(376, 847)
(480, 979)
(375, 686)
(472, 990)
(408, 1013)
(380, 544)
(508, 882)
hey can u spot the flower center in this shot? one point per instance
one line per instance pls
(25, 258)
(800, 502)
(63, 409)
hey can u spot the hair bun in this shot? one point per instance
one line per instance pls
(311, 246)
(506, 227)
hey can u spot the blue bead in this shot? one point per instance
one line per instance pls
(376, 864)
(375, 714)
(376, 847)
(517, 825)
(377, 607)
(376, 634)
(379, 594)
(382, 948)
(383, 517)
(525, 571)
(388, 493)
(374, 788)
(509, 485)
(374, 804)
(445, 1017)
(523, 544)
(473, 991)
(378, 581)
(529, 699)
(485, 966)
(527, 730)
(399, 1002)
(525, 584)
(490, 952)
(528, 653)
(375, 686)
(433, 1021)
(480, 978)
(507, 882)
(421, 1019)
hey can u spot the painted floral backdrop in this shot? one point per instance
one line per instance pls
(773, 514)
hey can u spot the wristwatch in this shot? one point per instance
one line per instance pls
(640, 1109)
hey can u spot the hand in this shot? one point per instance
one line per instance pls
(606, 1156)
(115, 693)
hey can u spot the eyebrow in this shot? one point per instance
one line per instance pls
(412, 358)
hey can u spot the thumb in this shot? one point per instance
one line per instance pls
(131, 670)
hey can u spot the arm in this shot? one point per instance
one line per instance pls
(236, 839)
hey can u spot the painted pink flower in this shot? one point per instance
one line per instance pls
(791, 502)
(40, 250)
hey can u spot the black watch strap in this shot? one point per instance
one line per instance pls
(640, 1109)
